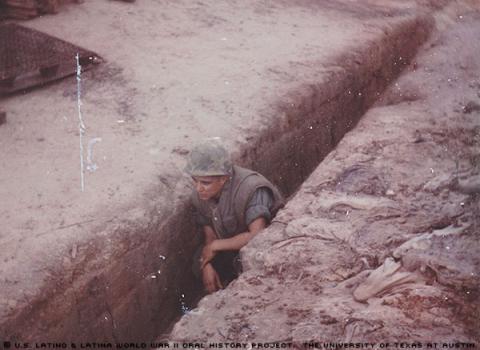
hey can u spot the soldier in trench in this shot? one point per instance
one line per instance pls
(233, 204)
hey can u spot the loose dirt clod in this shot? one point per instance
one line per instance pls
(384, 278)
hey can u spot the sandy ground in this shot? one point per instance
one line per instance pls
(380, 244)
(173, 72)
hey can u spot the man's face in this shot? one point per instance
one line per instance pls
(209, 187)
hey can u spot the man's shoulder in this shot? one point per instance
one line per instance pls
(249, 178)
(250, 181)
(247, 182)
(242, 172)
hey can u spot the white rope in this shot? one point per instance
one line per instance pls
(81, 125)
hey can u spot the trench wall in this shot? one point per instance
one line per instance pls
(116, 298)
(313, 118)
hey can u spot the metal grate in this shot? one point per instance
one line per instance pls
(29, 57)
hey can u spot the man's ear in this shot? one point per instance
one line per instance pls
(224, 179)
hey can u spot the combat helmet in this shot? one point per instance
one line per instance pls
(209, 158)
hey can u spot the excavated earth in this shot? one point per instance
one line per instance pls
(282, 82)
(381, 242)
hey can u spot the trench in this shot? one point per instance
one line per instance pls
(315, 117)
(119, 304)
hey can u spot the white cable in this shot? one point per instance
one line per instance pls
(81, 125)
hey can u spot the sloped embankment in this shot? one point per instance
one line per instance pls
(381, 242)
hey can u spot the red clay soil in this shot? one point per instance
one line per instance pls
(111, 262)
(380, 244)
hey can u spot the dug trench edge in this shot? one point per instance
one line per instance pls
(119, 300)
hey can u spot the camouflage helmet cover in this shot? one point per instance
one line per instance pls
(209, 158)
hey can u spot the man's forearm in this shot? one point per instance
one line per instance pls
(238, 241)
(233, 243)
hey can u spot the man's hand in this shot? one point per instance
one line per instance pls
(208, 253)
(211, 279)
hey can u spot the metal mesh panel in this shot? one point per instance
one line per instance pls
(29, 57)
